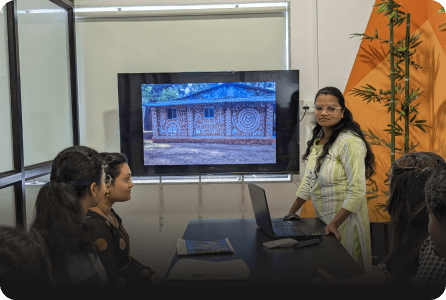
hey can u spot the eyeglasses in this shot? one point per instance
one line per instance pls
(331, 109)
(108, 180)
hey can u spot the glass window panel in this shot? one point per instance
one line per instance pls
(6, 163)
(44, 79)
(7, 206)
(32, 188)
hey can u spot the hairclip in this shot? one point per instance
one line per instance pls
(399, 170)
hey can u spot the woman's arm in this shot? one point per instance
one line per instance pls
(342, 215)
(296, 205)
(303, 192)
(147, 273)
(352, 156)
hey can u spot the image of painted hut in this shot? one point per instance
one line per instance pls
(229, 113)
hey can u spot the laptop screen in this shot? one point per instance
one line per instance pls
(260, 207)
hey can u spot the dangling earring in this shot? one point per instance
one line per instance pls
(107, 194)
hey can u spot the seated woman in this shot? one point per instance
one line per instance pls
(409, 234)
(77, 182)
(432, 269)
(111, 239)
(24, 261)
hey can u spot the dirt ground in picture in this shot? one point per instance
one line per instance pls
(207, 154)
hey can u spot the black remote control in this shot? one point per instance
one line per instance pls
(301, 244)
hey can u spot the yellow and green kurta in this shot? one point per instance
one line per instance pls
(341, 183)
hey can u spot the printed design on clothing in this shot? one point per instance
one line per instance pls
(121, 281)
(122, 244)
(101, 244)
(145, 274)
(432, 268)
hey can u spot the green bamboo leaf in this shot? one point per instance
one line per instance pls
(391, 15)
(421, 127)
(412, 146)
(371, 87)
(420, 121)
(413, 118)
(400, 21)
(414, 45)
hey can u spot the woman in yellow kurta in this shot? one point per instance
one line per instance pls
(339, 161)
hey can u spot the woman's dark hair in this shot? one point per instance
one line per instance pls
(113, 161)
(346, 122)
(408, 215)
(435, 193)
(24, 259)
(58, 215)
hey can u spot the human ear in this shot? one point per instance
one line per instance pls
(94, 189)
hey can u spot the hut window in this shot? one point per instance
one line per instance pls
(171, 113)
(209, 112)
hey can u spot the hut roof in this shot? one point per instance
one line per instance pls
(210, 101)
(224, 93)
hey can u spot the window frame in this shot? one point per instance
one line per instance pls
(20, 173)
(172, 111)
(209, 109)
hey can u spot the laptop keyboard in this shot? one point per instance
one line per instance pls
(285, 229)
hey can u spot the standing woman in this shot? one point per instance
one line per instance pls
(111, 239)
(339, 161)
(77, 182)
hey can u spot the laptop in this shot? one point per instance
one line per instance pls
(277, 228)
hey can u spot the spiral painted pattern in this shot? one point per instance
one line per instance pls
(248, 120)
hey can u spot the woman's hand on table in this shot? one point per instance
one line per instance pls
(331, 228)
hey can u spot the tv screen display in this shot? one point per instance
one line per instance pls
(208, 123)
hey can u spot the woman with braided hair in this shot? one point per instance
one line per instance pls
(339, 162)
(411, 249)
(111, 239)
(77, 182)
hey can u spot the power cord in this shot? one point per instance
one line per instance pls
(306, 107)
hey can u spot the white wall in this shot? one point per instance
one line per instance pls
(319, 47)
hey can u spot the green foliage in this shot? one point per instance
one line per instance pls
(404, 106)
(441, 10)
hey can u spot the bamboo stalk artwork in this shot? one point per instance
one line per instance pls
(399, 100)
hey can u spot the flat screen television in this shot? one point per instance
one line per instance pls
(210, 122)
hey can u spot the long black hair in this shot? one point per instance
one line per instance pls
(58, 215)
(408, 214)
(346, 122)
(435, 191)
